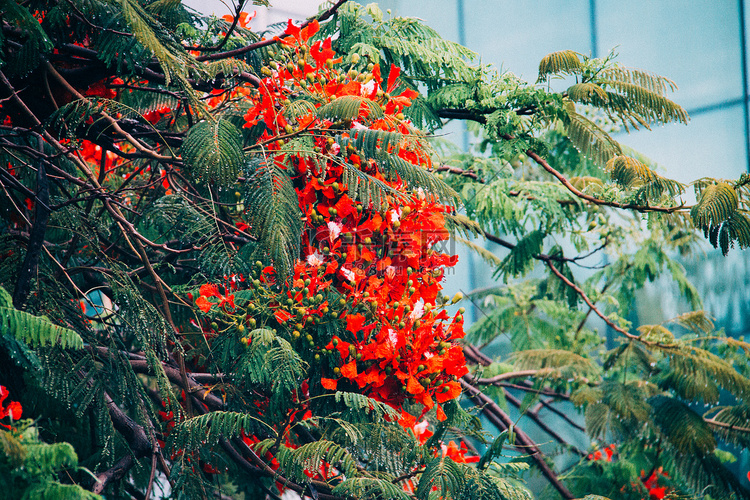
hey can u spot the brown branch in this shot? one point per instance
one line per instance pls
(524, 443)
(136, 438)
(114, 473)
(592, 199)
(724, 425)
(542, 425)
(192, 387)
(506, 376)
(589, 303)
(561, 414)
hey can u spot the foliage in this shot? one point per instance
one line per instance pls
(223, 255)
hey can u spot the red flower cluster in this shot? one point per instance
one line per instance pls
(607, 456)
(371, 269)
(399, 345)
(212, 291)
(651, 483)
(13, 410)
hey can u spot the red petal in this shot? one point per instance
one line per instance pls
(209, 291)
(203, 304)
(15, 410)
(440, 413)
(329, 383)
(282, 316)
(349, 370)
(448, 391)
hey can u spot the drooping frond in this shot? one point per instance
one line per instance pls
(350, 108)
(366, 188)
(697, 321)
(702, 365)
(485, 254)
(590, 139)
(616, 407)
(383, 147)
(461, 224)
(561, 62)
(299, 107)
(442, 475)
(633, 105)
(174, 60)
(705, 474)
(33, 330)
(632, 174)
(583, 92)
(521, 257)
(359, 403)
(407, 43)
(692, 443)
(732, 424)
(212, 151)
(417, 177)
(226, 67)
(210, 428)
(716, 212)
(370, 489)
(273, 212)
(654, 83)
(716, 203)
(310, 458)
(27, 57)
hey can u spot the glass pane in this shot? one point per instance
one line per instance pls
(712, 144)
(696, 44)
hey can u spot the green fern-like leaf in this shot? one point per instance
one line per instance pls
(367, 189)
(697, 321)
(27, 57)
(735, 229)
(373, 408)
(274, 214)
(716, 203)
(554, 359)
(442, 475)
(632, 174)
(209, 429)
(350, 108)
(681, 427)
(641, 102)
(583, 92)
(717, 213)
(731, 424)
(702, 365)
(588, 137)
(311, 456)
(521, 257)
(653, 83)
(173, 58)
(370, 489)
(33, 330)
(212, 151)
(562, 62)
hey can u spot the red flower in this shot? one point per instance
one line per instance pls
(452, 451)
(243, 20)
(207, 291)
(13, 410)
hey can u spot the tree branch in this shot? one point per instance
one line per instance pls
(524, 443)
